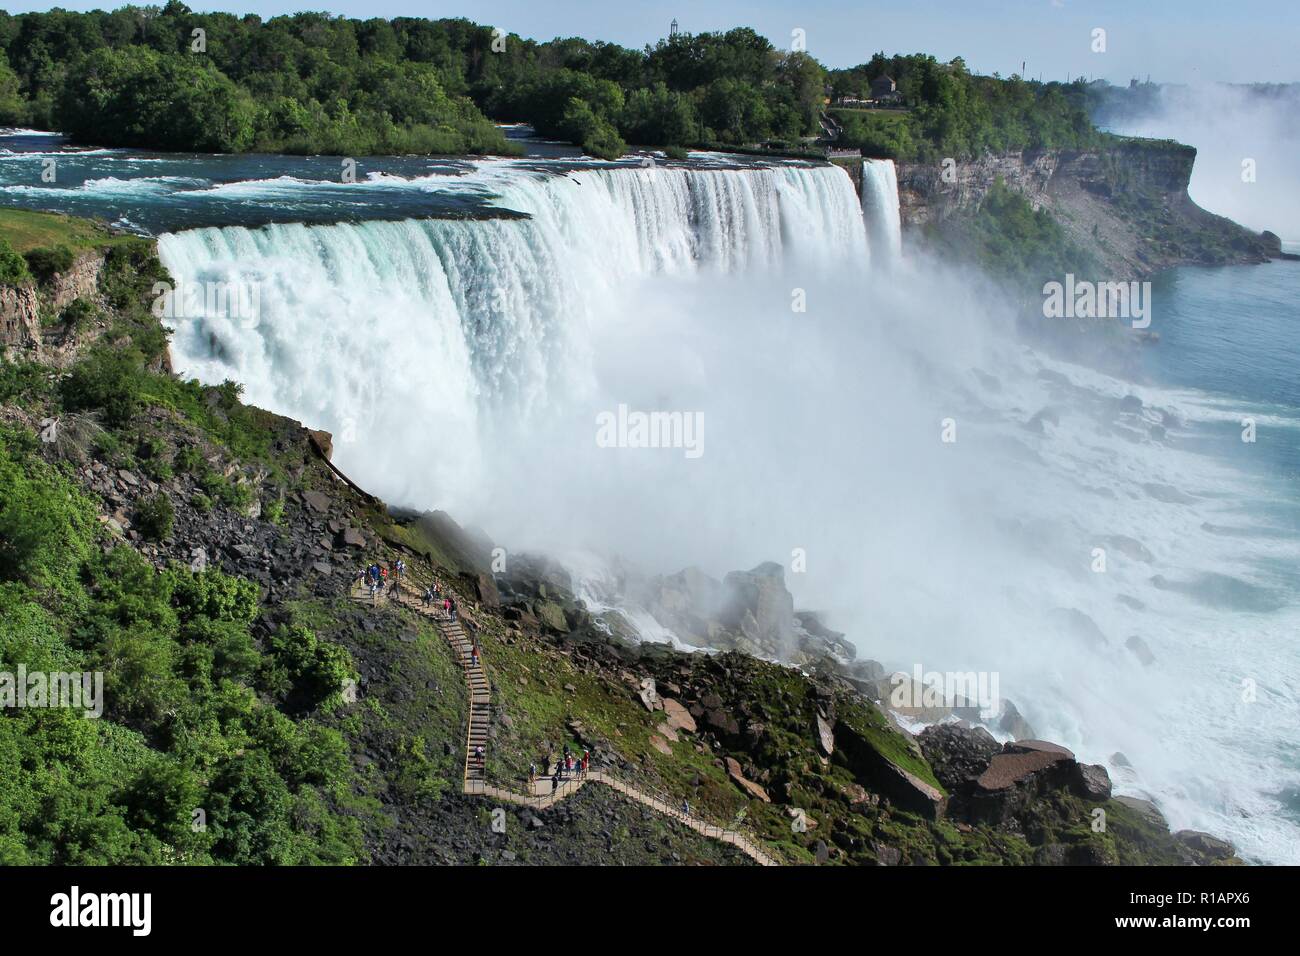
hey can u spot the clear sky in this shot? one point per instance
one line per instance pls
(1172, 40)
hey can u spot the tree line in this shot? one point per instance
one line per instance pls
(171, 79)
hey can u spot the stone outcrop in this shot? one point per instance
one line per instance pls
(1128, 202)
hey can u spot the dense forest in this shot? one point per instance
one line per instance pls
(948, 111)
(173, 79)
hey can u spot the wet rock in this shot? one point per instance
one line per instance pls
(1205, 845)
(1145, 809)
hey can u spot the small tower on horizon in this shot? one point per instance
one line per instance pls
(672, 29)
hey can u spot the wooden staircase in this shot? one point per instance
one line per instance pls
(476, 736)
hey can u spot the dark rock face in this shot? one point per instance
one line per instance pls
(1016, 777)
(1092, 782)
(1094, 202)
(959, 755)
(887, 778)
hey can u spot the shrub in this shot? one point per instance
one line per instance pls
(13, 267)
(106, 380)
(304, 666)
(154, 516)
(46, 263)
(78, 315)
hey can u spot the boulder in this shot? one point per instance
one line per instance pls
(551, 615)
(667, 732)
(349, 691)
(1010, 722)
(648, 695)
(1205, 845)
(485, 589)
(864, 751)
(1091, 781)
(1147, 811)
(317, 501)
(720, 720)
(751, 788)
(678, 717)
(887, 855)
(323, 441)
(825, 736)
(1017, 776)
(957, 754)
(661, 745)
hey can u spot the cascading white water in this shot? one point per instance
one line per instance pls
(880, 208)
(411, 330)
(460, 364)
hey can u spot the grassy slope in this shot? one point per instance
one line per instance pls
(27, 230)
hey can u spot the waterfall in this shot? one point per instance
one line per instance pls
(880, 208)
(387, 333)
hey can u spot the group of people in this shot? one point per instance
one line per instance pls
(433, 597)
(380, 579)
(383, 579)
(569, 764)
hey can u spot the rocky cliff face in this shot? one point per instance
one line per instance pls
(27, 312)
(1128, 203)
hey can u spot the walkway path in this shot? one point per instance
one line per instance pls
(542, 797)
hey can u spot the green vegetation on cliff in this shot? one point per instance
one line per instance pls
(949, 112)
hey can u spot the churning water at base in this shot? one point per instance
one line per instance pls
(462, 363)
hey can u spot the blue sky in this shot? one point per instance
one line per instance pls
(1172, 40)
